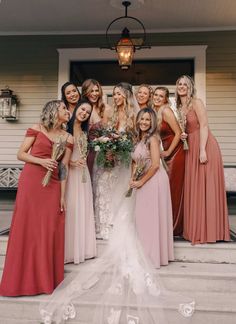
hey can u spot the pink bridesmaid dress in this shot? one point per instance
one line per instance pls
(80, 240)
(205, 206)
(153, 213)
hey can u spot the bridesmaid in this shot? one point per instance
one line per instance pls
(92, 91)
(70, 95)
(205, 207)
(173, 154)
(80, 241)
(35, 254)
(144, 95)
(153, 212)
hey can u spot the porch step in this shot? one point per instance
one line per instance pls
(211, 308)
(190, 277)
(212, 286)
(220, 252)
(183, 251)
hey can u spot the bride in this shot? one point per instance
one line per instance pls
(107, 188)
(120, 287)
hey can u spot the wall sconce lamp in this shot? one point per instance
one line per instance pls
(126, 46)
(8, 104)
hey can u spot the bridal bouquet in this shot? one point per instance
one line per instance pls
(112, 147)
(139, 169)
(182, 124)
(82, 142)
(58, 149)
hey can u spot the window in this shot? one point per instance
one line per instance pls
(154, 72)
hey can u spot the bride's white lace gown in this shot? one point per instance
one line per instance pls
(108, 191)
(105, 190)
(120, 287)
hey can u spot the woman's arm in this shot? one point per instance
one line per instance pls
(132, 171)
(169, 117)
(201, 113)
(155, 163)
(64, 173)
(23, 153)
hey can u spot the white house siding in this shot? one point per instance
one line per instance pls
(29, 66)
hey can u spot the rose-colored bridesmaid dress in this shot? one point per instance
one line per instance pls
(153, 213)
(205, 206)
(35, 254)
(176, 164)
(80, 240)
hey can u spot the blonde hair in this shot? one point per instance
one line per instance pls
(127, 92)
(167, 104)
(150, 89)
(87, 87)
(49, 115)
(191, 90)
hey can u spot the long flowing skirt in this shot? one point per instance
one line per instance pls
(122, 285)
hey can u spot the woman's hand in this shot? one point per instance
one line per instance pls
(62, 204)
(183, 136)
(78, 163)
(49, 164)
(109, 156)
(164, 154)
(136, 184)
(203, 156)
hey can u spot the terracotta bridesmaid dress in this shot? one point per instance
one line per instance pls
(205, 206)
(35, 254)
(176, 165)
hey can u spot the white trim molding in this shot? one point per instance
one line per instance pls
(198, 53)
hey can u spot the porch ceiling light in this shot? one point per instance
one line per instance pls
(126, 45)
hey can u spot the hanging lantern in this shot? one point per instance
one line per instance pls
(8, 104)
(126, 45)
(125, 50)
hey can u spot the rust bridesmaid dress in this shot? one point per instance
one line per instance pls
(35, 254)
(205, 206)
(175, 163)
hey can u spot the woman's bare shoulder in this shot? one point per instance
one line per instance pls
(36, 127)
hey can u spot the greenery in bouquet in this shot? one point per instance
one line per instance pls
(112, 147)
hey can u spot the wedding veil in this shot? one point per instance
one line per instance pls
(120, 287)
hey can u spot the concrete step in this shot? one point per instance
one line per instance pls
(213, 286)
(188, 277)
(220, 252)
(211, 308)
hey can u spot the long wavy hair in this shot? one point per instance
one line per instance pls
(191, 90)
(49, 115)
(130, 106)
(153, 130)
(84, 124)
(167, 104)
(150, 90)
(63, 90)
(87, 87)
